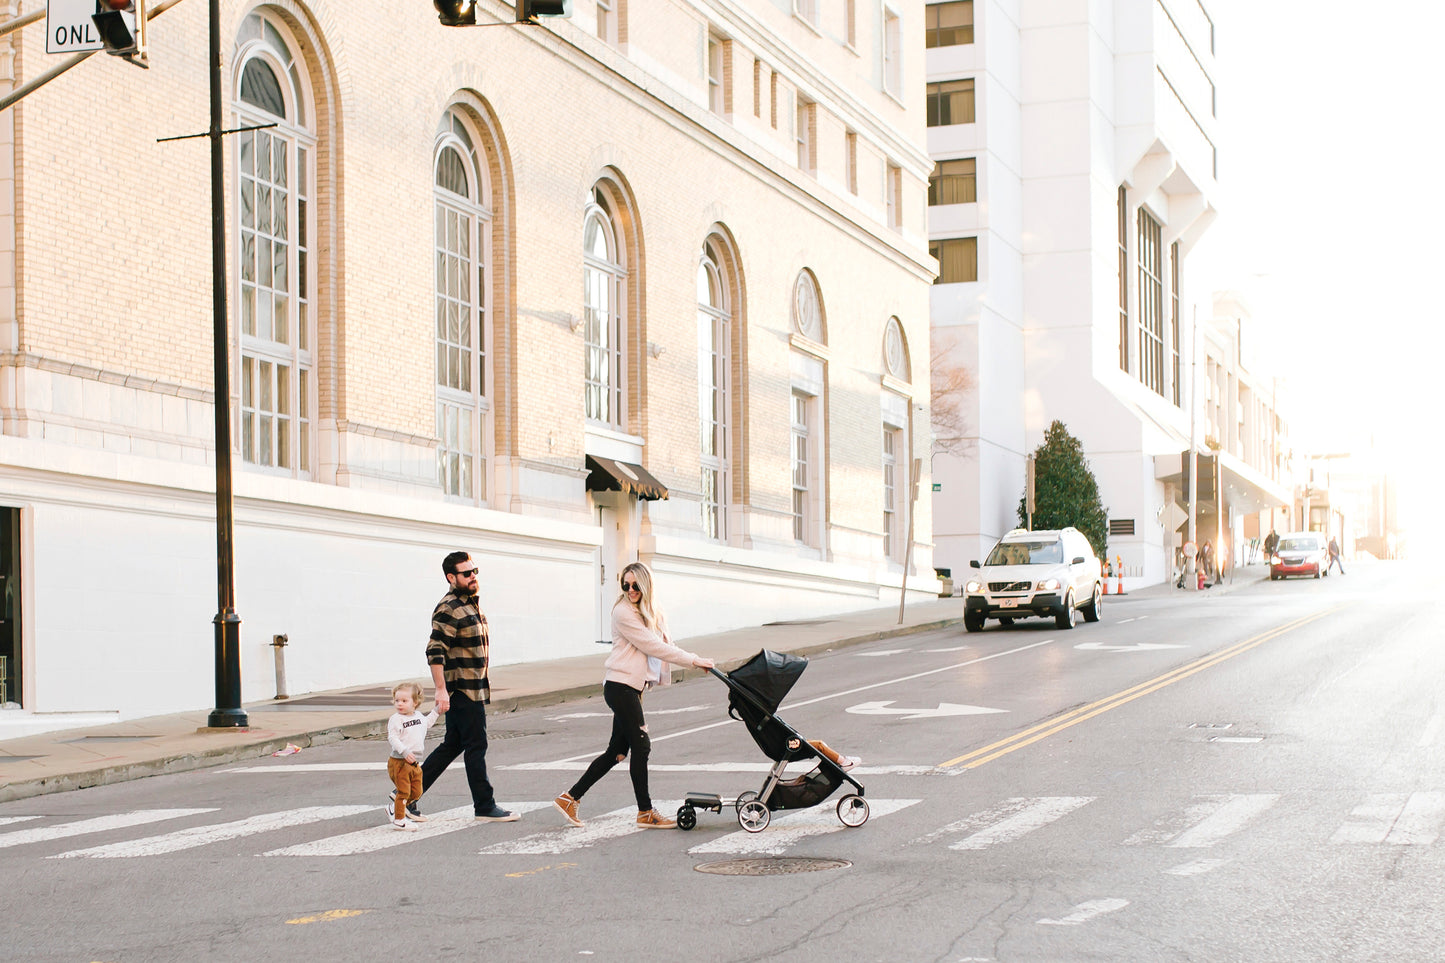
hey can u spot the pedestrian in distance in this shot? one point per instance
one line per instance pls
(406, 734)
(1271, 542)
(1335, 557)
(459, 655)
(640, 646)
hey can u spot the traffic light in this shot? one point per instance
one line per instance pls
(456, 13)
(529, 10)
(122, 27)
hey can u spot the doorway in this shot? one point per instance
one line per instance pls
(606, 564)
(10, 637)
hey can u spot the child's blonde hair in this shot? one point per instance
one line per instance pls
(410, 687)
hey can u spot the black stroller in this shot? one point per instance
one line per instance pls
(756, 687)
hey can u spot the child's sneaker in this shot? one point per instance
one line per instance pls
(652, 819)
(403, 825)
(848, 762)
(413, 811)
(567, 806)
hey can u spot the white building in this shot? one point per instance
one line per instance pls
(492, 289)
(1075, 170)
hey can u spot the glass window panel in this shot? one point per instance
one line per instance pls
(248, 429)
(283, 334)
(303, 331)
(263, 315)
(301, 174)
(248, 204)
(248, 257)
(248, 152)
(264, 426)
(280, 163)
(248, 309)
(279, 214)
(301, 223)
(263, 155)
(260, 88)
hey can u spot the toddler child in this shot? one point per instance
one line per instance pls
(406, 733)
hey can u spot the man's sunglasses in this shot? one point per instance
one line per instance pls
(631, 587)
(465, 573)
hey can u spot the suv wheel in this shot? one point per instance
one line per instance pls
(1066, 618)
(973, 622)
(1091, 608)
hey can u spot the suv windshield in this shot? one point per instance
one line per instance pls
(1026, 553)
(1298, 545)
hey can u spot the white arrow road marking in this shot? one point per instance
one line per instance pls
(1087, 911)
(97, 825)
(1405, 820)
(944, 709)
(16, 819)
(1229, 817)
(788, 828)
(567, 765)
(877, 654)
(565, 839)
(1008, 821)
(204, 835)
(608, 715)
(951, 648)
(1131, 647)
(385, 836)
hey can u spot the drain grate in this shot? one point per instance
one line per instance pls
(772, 866)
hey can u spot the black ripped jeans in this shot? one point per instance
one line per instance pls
(629, 734)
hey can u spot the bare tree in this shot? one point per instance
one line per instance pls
(949, 386)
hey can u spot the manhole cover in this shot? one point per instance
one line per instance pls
(775, 866)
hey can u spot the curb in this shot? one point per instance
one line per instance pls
(375, 728)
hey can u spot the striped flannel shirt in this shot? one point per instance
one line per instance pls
(459, 645)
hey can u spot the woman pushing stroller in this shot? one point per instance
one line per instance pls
(640, 646)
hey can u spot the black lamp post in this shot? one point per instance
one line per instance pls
(228, 712)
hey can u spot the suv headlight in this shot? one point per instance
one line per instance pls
(1048, 585)
(973, 587)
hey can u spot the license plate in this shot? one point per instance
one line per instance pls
(1008, 603)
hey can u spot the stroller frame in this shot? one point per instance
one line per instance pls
(755, 809)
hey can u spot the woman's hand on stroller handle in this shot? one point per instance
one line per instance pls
(703, 663)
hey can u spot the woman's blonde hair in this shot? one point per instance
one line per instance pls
(646, 605)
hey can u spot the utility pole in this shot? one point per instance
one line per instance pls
(1191, 571)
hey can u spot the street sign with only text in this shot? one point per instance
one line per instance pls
(68, 27)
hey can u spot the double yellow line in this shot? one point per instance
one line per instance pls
(1043, 730)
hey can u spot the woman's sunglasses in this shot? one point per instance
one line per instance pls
(631, 587)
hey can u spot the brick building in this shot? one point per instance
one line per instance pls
(493, 289)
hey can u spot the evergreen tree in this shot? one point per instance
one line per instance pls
(1065, 492)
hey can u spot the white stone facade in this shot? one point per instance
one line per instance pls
(788, 143)
(1085, 114)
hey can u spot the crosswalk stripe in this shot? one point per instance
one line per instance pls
(97, 825)
(565, 839)
(1087, 911)
(1235, 812)
(385, 836)
(7, 820)
(1197, 867)
(790, 827)
(570, 765)
(1399, 818)
(288, 767)
(1007, 821)
(204, 835)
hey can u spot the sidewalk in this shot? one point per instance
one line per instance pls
(95, 756)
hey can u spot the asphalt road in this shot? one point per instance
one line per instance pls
(1249, 776)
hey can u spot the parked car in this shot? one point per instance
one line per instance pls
(1051, 574)
(1300, 553)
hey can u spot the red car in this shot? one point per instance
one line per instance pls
(1300, 553)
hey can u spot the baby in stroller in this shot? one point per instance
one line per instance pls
(757, 687)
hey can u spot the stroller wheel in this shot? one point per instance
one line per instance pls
(686, 817)
(754, 816)
(853, 810)
(746, 797)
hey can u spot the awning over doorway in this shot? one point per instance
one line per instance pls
(607, 475)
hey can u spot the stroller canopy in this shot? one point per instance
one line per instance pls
(769, 675)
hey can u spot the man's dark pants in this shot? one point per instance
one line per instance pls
(466, 736)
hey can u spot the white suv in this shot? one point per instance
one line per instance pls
(1035, 574)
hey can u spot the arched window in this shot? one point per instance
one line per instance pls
(897, 454)
(276, 224)
(807, 412)
(604, 312)
(462, 212)
(714, 339)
